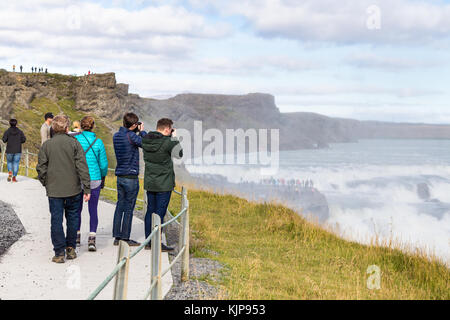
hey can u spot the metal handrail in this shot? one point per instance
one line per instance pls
(154, 290)
(120, 271)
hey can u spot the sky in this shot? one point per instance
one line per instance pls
(362, 59)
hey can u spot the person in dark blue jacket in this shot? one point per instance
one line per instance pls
(126, 146)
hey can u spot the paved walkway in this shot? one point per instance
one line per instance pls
(26, 270)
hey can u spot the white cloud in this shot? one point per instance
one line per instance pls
(372, 60)
(344, 21)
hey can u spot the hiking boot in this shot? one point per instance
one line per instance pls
(71, 254)
(59, 258)
(9, 176)
(78, 239)
(165, 248)
(116, 241)
(14, 179)
(91, 244)
(132, 243)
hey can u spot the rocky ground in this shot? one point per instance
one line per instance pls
(201, 270)
(10, 226)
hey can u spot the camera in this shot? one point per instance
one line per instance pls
(136, 130)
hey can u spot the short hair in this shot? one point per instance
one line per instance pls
(87, 123)
(13, 122)
(48, 115)
(60, 124)
(164, 123)
(130, 119)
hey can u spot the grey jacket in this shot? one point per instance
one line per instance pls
(62, 167)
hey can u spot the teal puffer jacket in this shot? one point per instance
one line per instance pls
(97, 168)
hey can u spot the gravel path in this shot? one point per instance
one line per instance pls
(201, 270)
(10, 226)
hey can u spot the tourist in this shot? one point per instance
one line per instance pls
(159, 180)
(76, 127)
(127, 142)
(14, 138)
(46, 127)
(14, 68)
(98, 169)
(21, 68)
(63, 170)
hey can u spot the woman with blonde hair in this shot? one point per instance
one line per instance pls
(98, 169)
(76, 126)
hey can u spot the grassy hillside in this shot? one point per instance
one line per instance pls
(30, 121)
(272, 253)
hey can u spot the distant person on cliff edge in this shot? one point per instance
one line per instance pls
(127, 142)
(14, 138)
(159, 181)
(46, 127)
(21, 69)
(63, 171)
(14, 68)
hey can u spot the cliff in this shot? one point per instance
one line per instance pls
(101, 95)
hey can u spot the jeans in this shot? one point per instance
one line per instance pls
(59, 206)
(157, 203)
(13, 162)
(127, 192)
(93, 213)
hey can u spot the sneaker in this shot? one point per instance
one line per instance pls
(165, 248)
(71, 254)
(14, 179)
(132, 243)
(9, 176)
(91, 244)
(78, 239)
(116, 241)
(59, 258)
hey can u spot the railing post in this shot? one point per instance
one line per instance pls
(3, 155)
(27, 162)
(144, 210)
(156, 259)
(121, 285)
(184, 237)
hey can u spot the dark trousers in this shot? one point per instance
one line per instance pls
(127, 192)
(58, 207)
(93, 210)
(157, 203)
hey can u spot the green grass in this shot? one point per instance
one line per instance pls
(272, 253)
(30, 121)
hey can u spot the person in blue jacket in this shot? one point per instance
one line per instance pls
(127, 142)
(98, 170)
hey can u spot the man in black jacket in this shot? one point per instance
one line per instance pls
(14, 138)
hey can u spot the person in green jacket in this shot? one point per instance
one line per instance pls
(98, 170)
(63, 171)
(159, 179)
